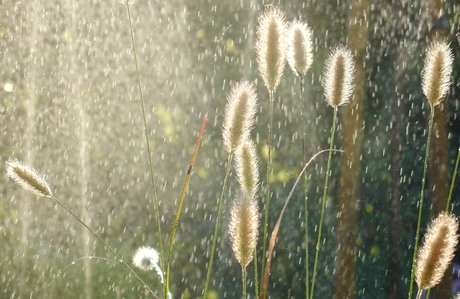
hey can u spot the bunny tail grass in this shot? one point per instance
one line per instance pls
(437, 71)
(247, 168)
(147, 141)
(270, 47)
(243, 228)
(239, 115)
(28, 178)
(243, 231)
(338, 76)
(300, 48)
(437, 250)
(435, 84)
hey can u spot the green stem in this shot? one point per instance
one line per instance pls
(420, 210)
(454, 177)
(243, 272)
(305, 208)
(149, 152)
(323, 203)
(119, 258)
(216, 226)
(269, 171)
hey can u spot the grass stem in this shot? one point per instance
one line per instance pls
(216, 226)
(422, 193)
(119, 258)
(454, 177)
(269, 171)
(323, 203)
(147, 141)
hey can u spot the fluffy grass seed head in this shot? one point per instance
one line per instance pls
(239, 115)
(437, 251)
(437, 71)
(146, 258)
(339, 73)
(270, 46)
(247, 168)
(27, 177)
(243, 228)
(299, 48)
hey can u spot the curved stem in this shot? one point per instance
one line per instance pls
(216, 227)
(269, 171)
(422, 192)
(119, 258)
(149, 151)
(323, 203)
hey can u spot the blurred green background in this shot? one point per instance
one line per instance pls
(69, 106)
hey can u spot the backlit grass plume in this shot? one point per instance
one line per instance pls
(270, 47)
(435, 84)
(338, 86)
(299, 48)
(338, 76)
(238, 121)
(437, 251)
(271, 59)
(437, 71)
(247, 168)
(28, 178)
(243, 230)
(239, 115)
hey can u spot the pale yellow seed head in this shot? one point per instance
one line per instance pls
(243, 228)
(437, 251)
(338, 76)
(247, 168)
(239, 115)
(28, 178)
(300, 48)
(270, 47)
(437, 72)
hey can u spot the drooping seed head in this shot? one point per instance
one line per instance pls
(239, 115)
(247, 168)
(338, 76)
(437, 250)
(243, 228)
(437, 71)
(270, 47)
(300, 48)
(28, 178)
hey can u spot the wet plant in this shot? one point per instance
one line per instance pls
(435, 84)
(271, 59)
(238, 121)
(128, 4)
(338, 86)
(28, 178)
(300, 58)
(437, 252)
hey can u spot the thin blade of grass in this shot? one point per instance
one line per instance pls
(181, 201)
